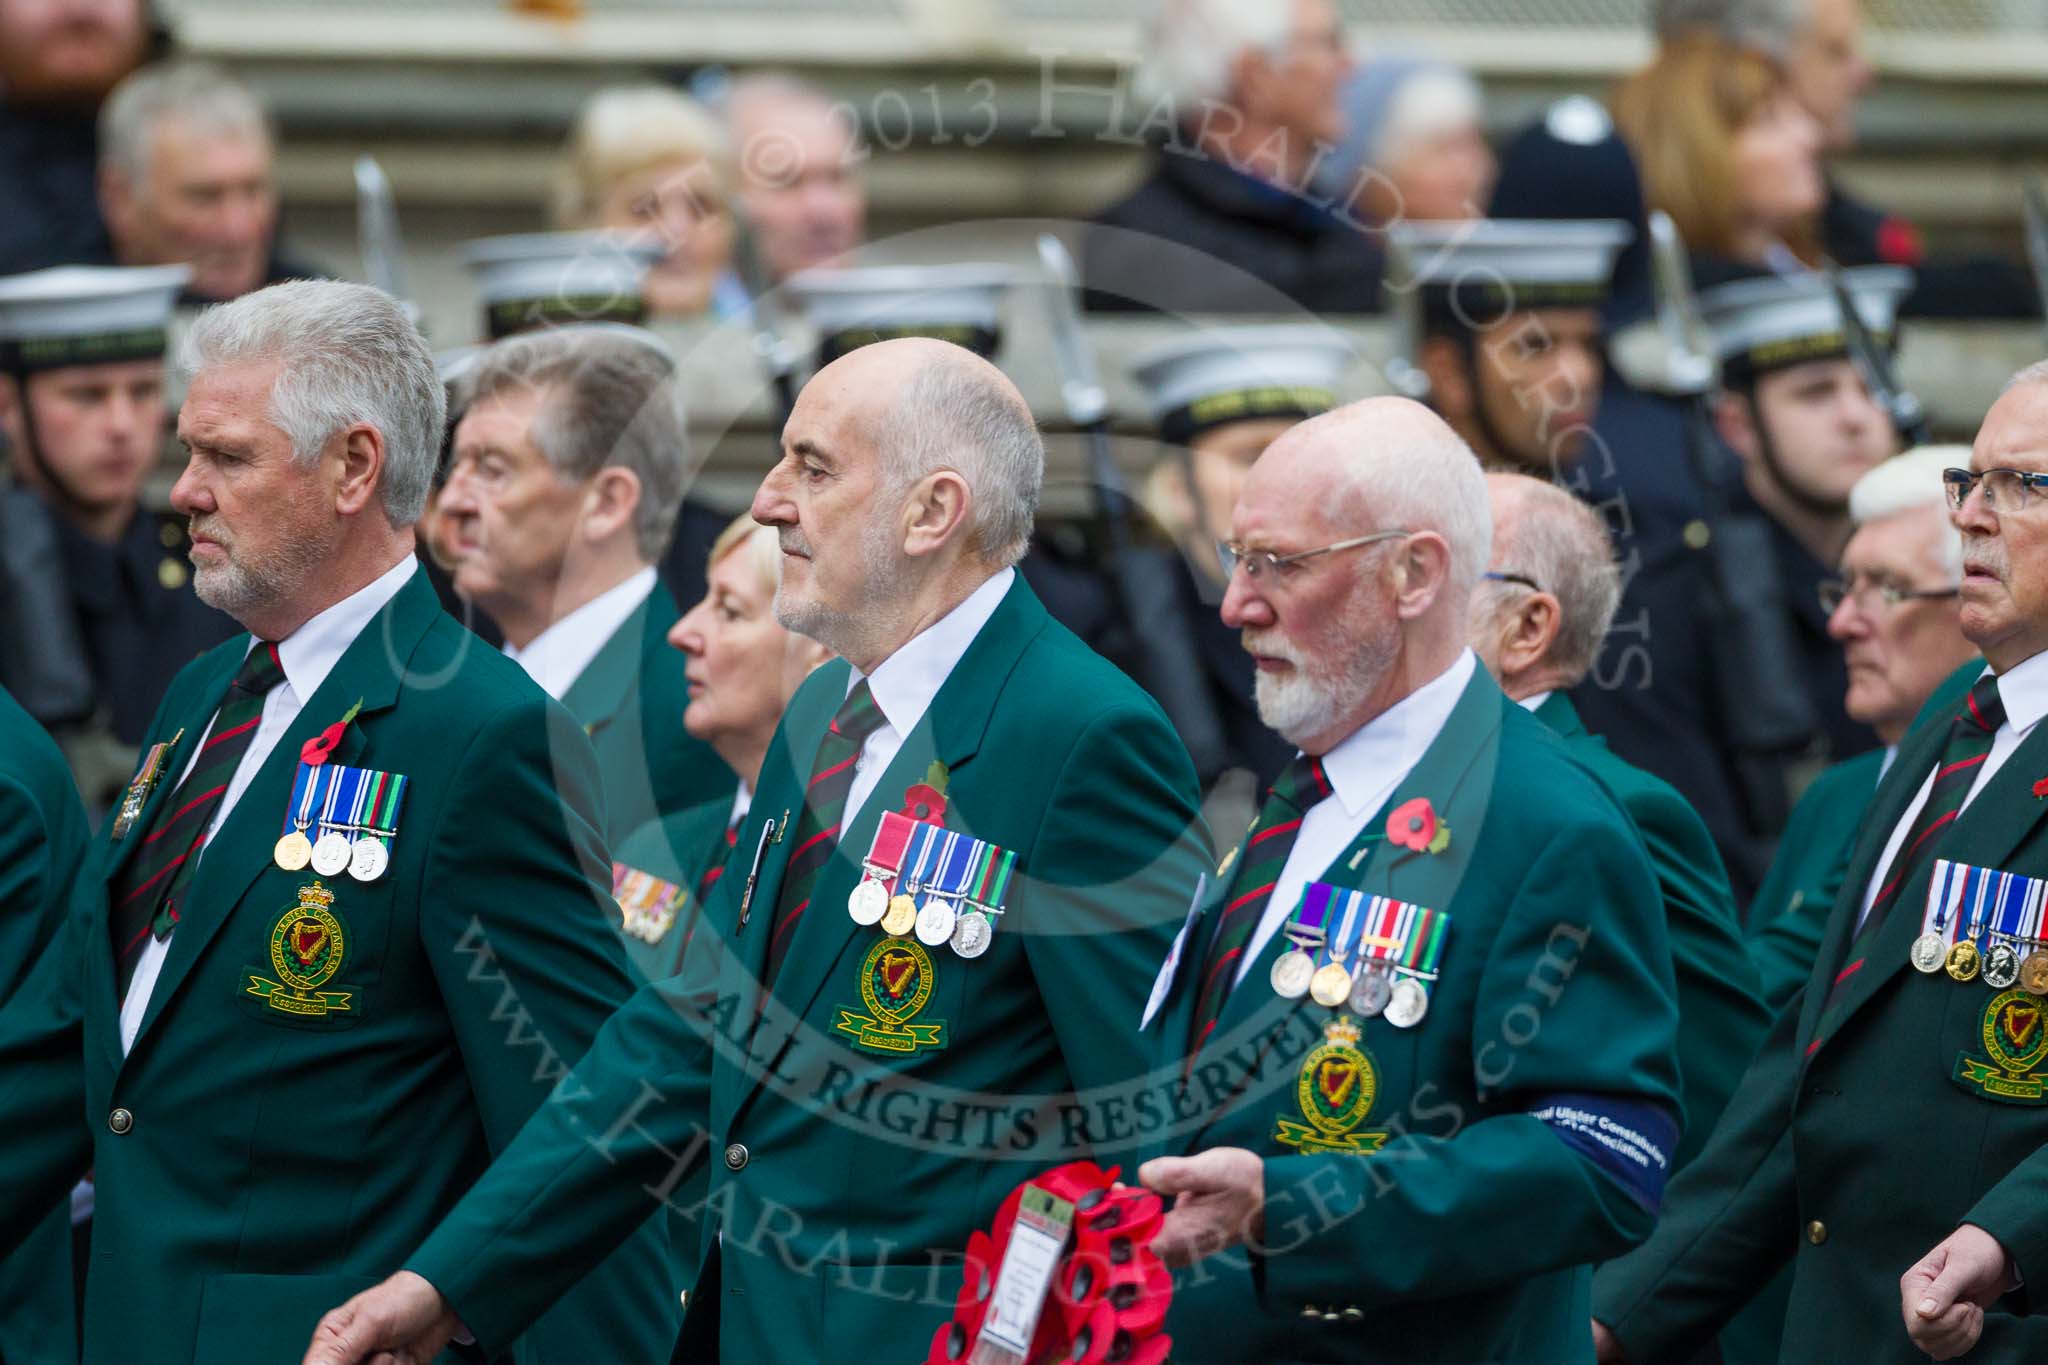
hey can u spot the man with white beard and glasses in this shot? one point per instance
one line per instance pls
(1430, 1024)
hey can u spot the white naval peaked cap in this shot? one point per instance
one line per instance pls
(850, 308)
(1233, 374)
(1480, 269)
(1771, 321)
(542, 279)
(87, 314)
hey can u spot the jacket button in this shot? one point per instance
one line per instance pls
(736, 1156)
(1816, 1232)
(119, 1122)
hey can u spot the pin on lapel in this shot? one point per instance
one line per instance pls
(2041, 790)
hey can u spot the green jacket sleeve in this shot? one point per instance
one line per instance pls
(514, 920)
(1729, 1221)
(1121, 849)
(1490, 1194)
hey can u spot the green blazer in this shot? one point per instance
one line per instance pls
(846, 1182)
(1856, 1141)
(255, 1167)
(629, 699)
(1721, 1017)
(1791, 907)
(1459, 1229)
(45, 846)
(686, 851)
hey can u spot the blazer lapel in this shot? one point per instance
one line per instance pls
(1456, 776)
(1998, 817)
(950, 732)
(240, 848)
(119, 851)
(1918, 754)
(602, 689)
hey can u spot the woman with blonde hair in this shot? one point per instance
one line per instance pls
(1728, 151)
(648, 160)
(743, 669)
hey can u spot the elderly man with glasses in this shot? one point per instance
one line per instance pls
(1891, 1141)
(1426, 1026)
(1894, 608)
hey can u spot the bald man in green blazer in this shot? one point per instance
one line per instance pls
(283, 1068)
(873, 1104)
(1426, 1023)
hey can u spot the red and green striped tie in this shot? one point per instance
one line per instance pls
(817, 829)
(1969, 744)
(155, 879)
(1300, 785)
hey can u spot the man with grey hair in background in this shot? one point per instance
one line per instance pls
(351, 916)
(1241, 98)
(570, 461)
(795, 155)
(1537, 623)
(1428, 1026)
(187, 178)
(878, 1073)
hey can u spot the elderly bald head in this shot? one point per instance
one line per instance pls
(1383, 509)
(1545, 632)
(910, 473)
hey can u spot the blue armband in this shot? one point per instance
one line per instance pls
(1630, 1140)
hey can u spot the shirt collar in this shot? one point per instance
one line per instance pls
(905, 683)
(2023, 691)
(310, 653)
(1534, 701)
(557, 656)
(1370, 762)
(742, 802)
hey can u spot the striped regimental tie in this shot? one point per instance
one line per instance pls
(817, 829)
(155, 880)
(1969, 744)
(1300, 785)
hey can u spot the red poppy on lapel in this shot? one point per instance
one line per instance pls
(1414, 825)
(315, 750)
(925, 803)
(2041, 789)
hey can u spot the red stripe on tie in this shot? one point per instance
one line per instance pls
(1249, 895)
(1959, 765)
(1266, 834)
(787, 921)
(1216, 967)
(835, 768)
(1813, 1047)
(136, 942)
(172, 819)
(808, 844)
(275, 657)
(1970, 699)
(157, 878)
(711, 877)
(249, 724)
(1849, 971)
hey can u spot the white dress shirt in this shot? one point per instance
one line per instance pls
(905, 683)
(1534, 702)
(742, 802)
(2023, 689)
(308, 655)
(1363, 771)
(557, 656)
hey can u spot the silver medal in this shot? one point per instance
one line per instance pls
(973, 934)
(1369, 993)
(2001, 966)
(935, 922)
(1408, 1003)
(331, 854)
(868, 902)
(1292, 971)
(1930, 951)
(368, 859)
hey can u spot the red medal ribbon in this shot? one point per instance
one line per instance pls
(891, 839)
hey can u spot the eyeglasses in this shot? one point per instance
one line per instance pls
(1258, 563)
(2005, 490)
(1521, 578)
(1835, 591)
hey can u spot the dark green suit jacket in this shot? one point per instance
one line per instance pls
(1791, 908)
(265, 1166)
(846, 1183)
(1465, 1236)
(1721, 1018)
(44, 851)
(683, 850)
(1852, 1147)
(629, 699)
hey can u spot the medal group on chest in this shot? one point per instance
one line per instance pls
(1373, 954)
(1980, 922)
(940, 885)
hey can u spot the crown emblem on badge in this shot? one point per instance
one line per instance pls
(1342, 1030)
(315, 897)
